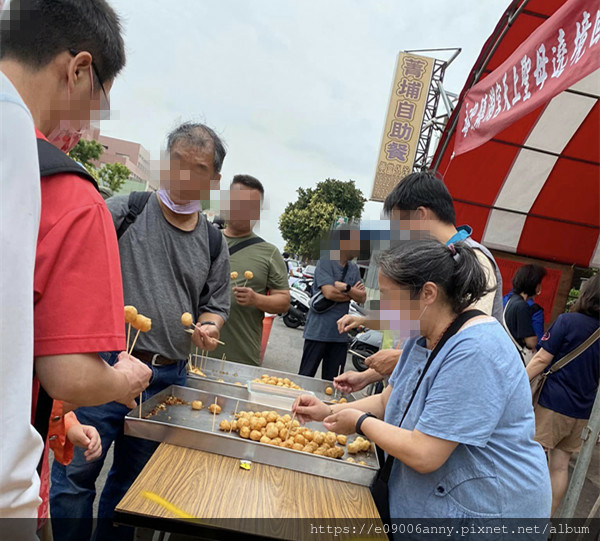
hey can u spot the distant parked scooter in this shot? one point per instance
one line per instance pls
(299, 307)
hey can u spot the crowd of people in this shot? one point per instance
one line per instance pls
(455, 421)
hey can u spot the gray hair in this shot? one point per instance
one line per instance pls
(455, 269)
(198, 135)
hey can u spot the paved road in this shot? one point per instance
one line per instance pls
(284, 353)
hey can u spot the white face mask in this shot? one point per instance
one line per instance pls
(191, 207)
(401, 326)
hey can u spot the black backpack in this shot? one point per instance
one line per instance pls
(53, 161)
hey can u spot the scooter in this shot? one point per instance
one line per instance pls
(299, 307)
(363, 345)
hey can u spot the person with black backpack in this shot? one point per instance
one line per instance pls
(267, 290)
(172, 261)
(62, 58)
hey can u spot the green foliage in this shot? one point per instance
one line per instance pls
(92, 171)
(86, 151)
(114, 175)
(304, 222)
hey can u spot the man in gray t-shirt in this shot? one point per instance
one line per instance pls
(167, 270)
(339, 280)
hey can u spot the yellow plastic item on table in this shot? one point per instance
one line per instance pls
(165, 504)
(245, 464)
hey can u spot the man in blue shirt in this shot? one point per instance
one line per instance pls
(338, 278)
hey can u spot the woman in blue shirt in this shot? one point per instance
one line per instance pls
(465, 448)
(566, 400)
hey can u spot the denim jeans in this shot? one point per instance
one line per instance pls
(73, 490)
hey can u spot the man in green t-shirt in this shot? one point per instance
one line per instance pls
(242, 334)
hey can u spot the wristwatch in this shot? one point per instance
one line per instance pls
(360, 422)
(348, 288)
(208, 323)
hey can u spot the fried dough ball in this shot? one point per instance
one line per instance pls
(286, 418)
(274, 441)
(254, 424)
(272, 417)
(322, 450)
(299, 438)
(326, 445)
(187, 320)
(243, 423)
(308, 449)
(318, 438)
(234, 425)
(334, 401)
(298, 446)
(262, 422)
(319, 451)
(225, 425)
(335, 452)
(264, 439)
(214, 408)
(272, 432)
(130, 314)
(248, 275)
(362, 463)
(308, 434)
(238, 383)
(330, 438)
(329, 391)
(363, 445)
(343, 400)
(234, 275)
(289, 443)
(283, 433)
(341, 439)
(255, 435)
(353, 448)
(295, 423)
(279, 425)
(350, 459)
(245, 432)
(197, 404)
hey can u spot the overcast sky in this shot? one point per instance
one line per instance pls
(298, 89)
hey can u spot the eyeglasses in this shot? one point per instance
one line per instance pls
(104, 103)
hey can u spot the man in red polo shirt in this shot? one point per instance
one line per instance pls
(62, 57)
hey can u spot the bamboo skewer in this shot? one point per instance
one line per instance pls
(291, 426)
(141, 405)
(128, 336)
(214, 415)
(134, 341)
(335, 395)
(234, 414)
(191, 331)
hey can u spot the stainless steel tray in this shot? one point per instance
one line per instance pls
(181, 425)
(231, 373)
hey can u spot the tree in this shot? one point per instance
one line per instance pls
(305, 221)
(114, 175)
(86, 151)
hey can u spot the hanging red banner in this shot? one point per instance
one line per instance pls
(560, 52)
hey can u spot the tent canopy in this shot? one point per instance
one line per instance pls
(534, 188)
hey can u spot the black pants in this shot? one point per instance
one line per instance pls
(333, 355)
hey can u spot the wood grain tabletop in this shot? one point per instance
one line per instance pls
(218, 493)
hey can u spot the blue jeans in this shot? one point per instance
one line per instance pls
(73, 490)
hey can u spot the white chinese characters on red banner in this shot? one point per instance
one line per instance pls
(561, 52)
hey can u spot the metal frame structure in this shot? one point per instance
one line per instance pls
(434, 123)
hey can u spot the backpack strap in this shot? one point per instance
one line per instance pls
(54, 161)
(249, 242)
(215, 241)
(136, 203)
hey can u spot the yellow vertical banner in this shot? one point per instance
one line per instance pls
(403, 123)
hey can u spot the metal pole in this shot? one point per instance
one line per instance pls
(590, 437)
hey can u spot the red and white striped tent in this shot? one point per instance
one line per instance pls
(521, 151)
